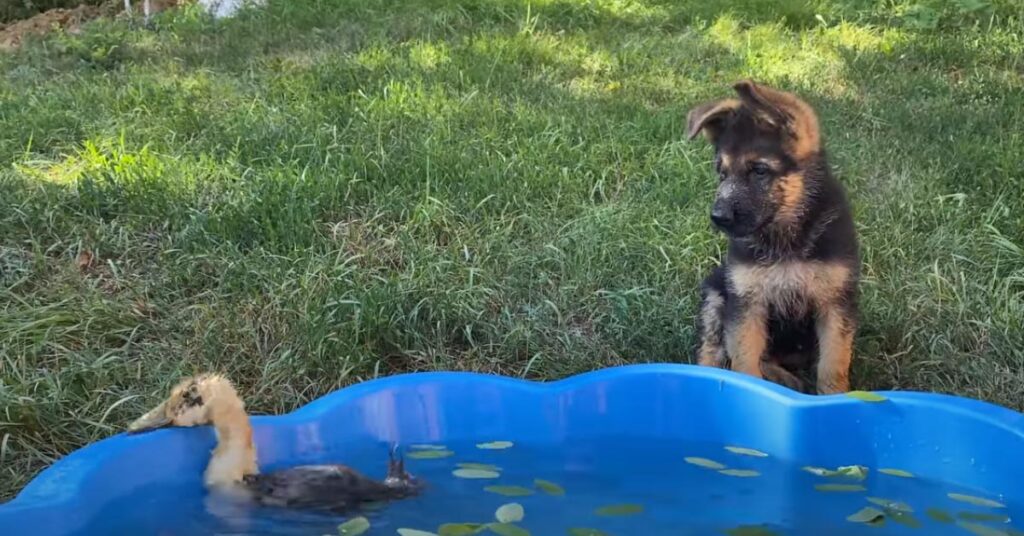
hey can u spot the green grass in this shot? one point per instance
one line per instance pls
(320, 193)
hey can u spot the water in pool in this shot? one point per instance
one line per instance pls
(612, 486)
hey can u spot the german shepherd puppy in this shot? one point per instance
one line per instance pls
(783, 304)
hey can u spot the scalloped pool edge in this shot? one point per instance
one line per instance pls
(729, 395)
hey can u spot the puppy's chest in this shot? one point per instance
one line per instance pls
(791, 288)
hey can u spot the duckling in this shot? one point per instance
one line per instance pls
(212, 399)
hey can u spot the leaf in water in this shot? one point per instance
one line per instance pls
(619, 510)
(510, 513)
(896, 472)
(891, 504)
(414, 532)
(866, 396)
(976, 501)
(858, 472)
(747, 452)
(839, 487)
(495, 445)
(507, 529)
(904, 518)
(704, 462)
(429, 454)
(867, 515)
(751, 530)
(577, 531)
(983, 516)
(460, 529)
(938, 515)
(548, 487)
(354, 526)
(980, 530)
(481, 466)
(423, 446)
(742, 473)
(509, 491)
(474, 473)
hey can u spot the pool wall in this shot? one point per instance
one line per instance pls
(967, 442)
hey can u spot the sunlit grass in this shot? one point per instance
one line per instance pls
(323, 192)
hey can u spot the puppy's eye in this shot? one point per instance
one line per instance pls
(760, 171)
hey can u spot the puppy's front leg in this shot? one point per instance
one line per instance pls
(835, 327)
(747, 338)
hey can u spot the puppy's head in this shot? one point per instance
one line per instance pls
(764, 140)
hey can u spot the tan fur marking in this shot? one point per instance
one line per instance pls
(791, 193)
(726, 161)
(747, 340)
(712, 354)
(791, 287)
(835, 337)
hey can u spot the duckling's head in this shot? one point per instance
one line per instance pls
(192, 402)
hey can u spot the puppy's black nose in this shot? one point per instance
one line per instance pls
(722, 215)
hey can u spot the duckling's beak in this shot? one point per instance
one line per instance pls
(155, 418)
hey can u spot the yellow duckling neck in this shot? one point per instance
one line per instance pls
(235, 454)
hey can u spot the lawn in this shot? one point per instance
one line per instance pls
(323, 192)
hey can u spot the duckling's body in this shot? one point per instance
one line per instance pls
(337, 488)
(211, 399)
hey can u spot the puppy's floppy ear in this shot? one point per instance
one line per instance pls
(764, 100)
(708, 117)
(784, 111)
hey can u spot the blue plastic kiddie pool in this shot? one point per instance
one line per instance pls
(637, 450)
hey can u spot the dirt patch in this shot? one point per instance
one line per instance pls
(70, 20)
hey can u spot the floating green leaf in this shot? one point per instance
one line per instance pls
(510, 513)
(460, 529)
(896, 472)
(704, 462)
(548, 487)
(481, 466)
(983, 516)
(619, 510)
(840, 487)
(891, 504)
(976, 501)
(577, 531)
(414, 532)
(868, 515)
(751, 530)
(509, 491)
(354, 526)
(507, 529)
(866, 396)
(495, 445)
(743, 451)
(981, 530)
(475, 473)
(938, 515)
(741, 473)
(429, 454)
(858, 472)
(428, 447)
(903, 518)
